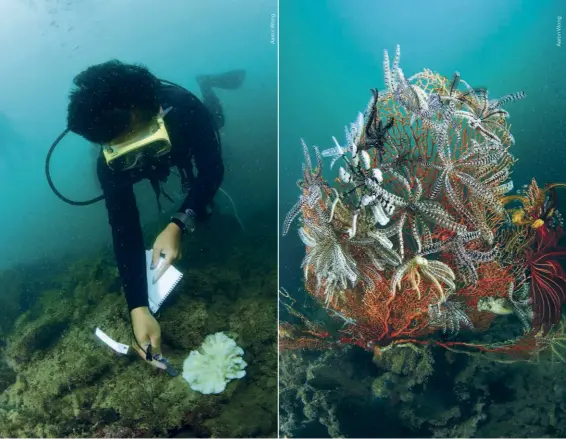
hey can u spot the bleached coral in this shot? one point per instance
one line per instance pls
(217, 362)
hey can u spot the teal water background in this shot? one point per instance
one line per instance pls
(45, 43)
(331, 54)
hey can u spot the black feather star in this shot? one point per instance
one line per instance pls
(375, 132)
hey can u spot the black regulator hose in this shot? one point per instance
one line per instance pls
(50, 181)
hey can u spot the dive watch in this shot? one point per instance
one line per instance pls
(185, 220)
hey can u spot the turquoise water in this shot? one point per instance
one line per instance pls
(47, 42)
(331, 54)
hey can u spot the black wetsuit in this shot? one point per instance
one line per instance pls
(194, 139)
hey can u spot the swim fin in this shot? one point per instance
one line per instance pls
(227, 81)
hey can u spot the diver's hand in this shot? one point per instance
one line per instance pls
(148, 333)
(168, 243)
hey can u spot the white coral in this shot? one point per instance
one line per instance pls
(215, 364)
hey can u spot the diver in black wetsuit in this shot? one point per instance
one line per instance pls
(146, 126)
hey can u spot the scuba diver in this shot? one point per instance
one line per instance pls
(145, 126)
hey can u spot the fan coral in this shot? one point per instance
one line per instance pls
(416, 236)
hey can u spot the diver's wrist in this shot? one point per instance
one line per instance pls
(177, 225)
(184, 220)
(139, 311)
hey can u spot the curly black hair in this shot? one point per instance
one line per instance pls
(100, 108)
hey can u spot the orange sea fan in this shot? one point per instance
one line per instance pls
(493, 281)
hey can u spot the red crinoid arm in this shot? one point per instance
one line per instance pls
(548, 281)
(548, 286)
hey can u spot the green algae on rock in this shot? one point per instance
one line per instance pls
(65, 383)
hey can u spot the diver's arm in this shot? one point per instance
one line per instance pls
(208, 161)
(127, 237)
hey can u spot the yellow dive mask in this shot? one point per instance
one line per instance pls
(150, 142)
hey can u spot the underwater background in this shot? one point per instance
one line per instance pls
(331, 55)
(58, 278)
(48, 42)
